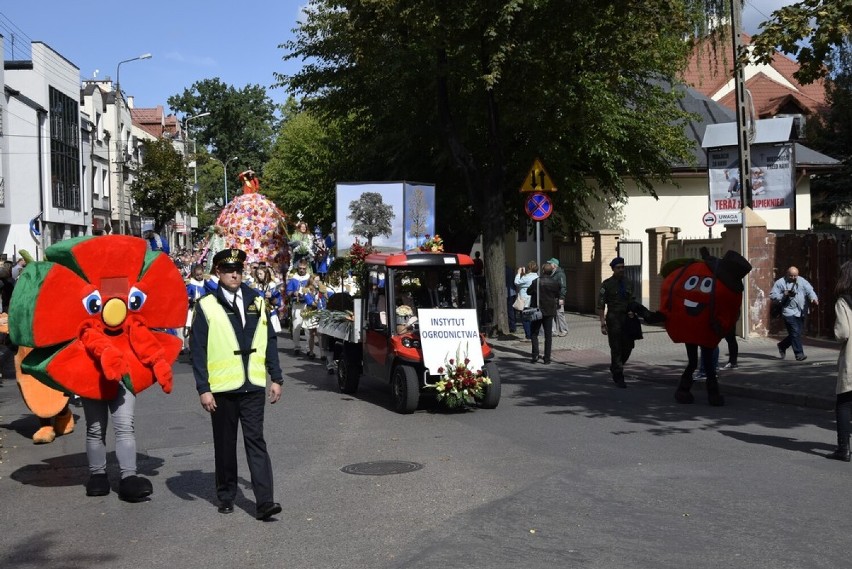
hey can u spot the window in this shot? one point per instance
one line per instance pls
(64, 151)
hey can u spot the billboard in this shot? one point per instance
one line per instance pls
(772, 180)
(391, 216)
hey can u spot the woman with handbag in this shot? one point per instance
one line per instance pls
(544, 296)
(523, 280)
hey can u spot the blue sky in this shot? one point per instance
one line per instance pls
(191, 40)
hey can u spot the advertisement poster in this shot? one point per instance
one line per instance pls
(771, 180)
(389, 216)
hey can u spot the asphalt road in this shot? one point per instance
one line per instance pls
(567, 472)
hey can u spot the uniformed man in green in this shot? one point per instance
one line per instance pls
(615, 295)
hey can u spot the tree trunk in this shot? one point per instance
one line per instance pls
(485, 192)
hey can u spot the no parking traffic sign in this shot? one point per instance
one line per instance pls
(538, 206)
(709, 219)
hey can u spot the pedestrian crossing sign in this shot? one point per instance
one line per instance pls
(538, 180)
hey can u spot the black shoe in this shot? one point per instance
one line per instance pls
(534, 359)
(226, 507)
(331, 371)
(134, 489)
(297, 352)
(801, 358)
(619, 382)
(311, 355)
(267, 510)
(98, 485)
(782, 353)
(840, 454)
(545, 361)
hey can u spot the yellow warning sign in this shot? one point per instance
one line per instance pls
(538, 180)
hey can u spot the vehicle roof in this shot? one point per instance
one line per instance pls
(419, 259)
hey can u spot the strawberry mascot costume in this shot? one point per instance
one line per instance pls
(701, 299)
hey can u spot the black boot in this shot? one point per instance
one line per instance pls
(98, 485)
(134, 489)
(682, 394)
(842, 453)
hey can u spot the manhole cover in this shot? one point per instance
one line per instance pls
(382, 467)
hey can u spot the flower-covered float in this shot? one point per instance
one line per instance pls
(253, 223)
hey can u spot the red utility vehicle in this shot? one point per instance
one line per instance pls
(384, 342)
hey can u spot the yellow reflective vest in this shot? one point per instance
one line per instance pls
(224, 356)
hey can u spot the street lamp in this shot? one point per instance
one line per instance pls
(226, 176)
(225, 167)
(119, 149)
(194, 153)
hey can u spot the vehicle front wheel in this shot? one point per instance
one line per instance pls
(491, 393)
(405, 389)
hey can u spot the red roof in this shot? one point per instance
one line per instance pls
(150, 120)
(709, 73)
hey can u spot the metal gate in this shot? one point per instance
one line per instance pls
(631, 252)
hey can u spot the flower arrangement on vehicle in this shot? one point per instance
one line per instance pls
(433, 244)
(459, 385)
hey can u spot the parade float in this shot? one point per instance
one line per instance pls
(252, 223)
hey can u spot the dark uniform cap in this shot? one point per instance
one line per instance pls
(616, 261)
(229, 257)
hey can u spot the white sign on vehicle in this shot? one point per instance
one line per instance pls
(449, 334)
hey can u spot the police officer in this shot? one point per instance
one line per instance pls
(233, 349)
(615, 295)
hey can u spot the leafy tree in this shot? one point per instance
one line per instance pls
(241, 122)
(308, 158)
(371, 215)
(810, 31)
(833, 136)
(468, 93)
(161, 186)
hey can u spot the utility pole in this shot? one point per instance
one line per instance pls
(745, 135)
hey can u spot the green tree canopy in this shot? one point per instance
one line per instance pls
(161, 185)
(241, 122)
(810, 31)
(468, 93)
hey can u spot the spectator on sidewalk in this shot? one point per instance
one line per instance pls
(559, 320)
(511, 294)
(523, 279)
(795, 294)
(544, 295)
(843, 389)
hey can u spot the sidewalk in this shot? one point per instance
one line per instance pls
(761, 373)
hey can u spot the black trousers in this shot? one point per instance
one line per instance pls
(843, 415)
(545, 323)
(246, 409)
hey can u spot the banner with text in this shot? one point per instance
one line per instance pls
(449, 333)
(771, 180)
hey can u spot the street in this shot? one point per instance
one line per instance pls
(567, 472)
